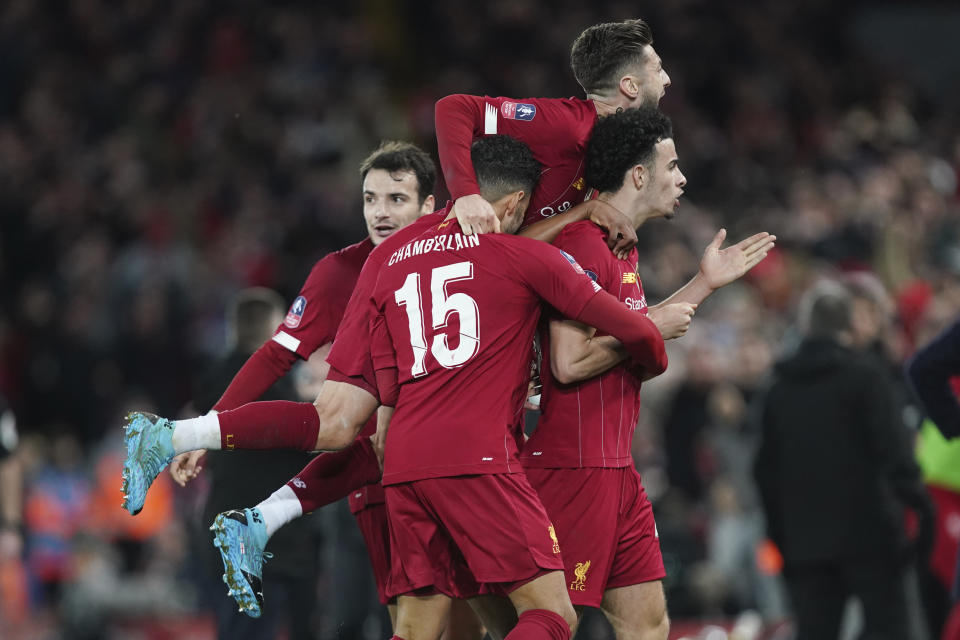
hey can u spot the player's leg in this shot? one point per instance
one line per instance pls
(421, 617)
(633, 598)
(463, 623)
(638, 611)
(496, 613)
(151, 442)
(543, 609)
(501, 529)
(583, 506)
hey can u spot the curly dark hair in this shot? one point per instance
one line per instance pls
(602, 53)
(623, 140)
(503, 165)
(396, 156)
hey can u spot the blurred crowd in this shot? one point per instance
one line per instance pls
(156, 157)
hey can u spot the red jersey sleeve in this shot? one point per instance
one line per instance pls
(315, 313)
(350, 353)
(555, 276)
(384, 358)
(459, 119)
(553, 128)
(560, 280)
(268, 364)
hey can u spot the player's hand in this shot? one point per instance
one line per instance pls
(621, 234)
(720, 267)
(532, 403)
(475, 215)
(673, 320)
(378, 448)
(186, 466)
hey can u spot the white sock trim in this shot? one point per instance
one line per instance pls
(196, 433)
(281, 507)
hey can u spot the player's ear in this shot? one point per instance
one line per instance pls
(428, 206)
(639, 176)
(630, 86)
(515, 199)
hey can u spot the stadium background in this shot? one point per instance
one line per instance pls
(155, 157)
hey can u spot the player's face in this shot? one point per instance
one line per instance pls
(666, 180)
(390, 201)
(653, 79)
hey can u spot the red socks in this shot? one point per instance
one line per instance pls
(331, 476)
(540, 624)
(276, 424)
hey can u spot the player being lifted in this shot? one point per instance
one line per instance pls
(617, 67)
(500, 302)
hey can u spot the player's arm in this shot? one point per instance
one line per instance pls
(577, 353)
(575, 295)
(720, 267)
(929, 372)
(621, 235)
(459, 119)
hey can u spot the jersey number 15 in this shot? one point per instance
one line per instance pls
(443, 305)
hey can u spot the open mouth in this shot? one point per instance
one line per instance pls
(384, 230)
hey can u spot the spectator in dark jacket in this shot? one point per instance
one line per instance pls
(835, 471)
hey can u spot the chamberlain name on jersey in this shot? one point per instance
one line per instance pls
(452, 242)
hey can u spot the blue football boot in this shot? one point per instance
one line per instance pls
(241, 536)
(149, 441)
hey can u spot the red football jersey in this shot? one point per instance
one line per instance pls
(555, 129)
(590, 423)
(315, 314)
(460, 313)
(350, 354)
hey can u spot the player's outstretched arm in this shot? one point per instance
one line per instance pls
(720, 267)
(621, 234)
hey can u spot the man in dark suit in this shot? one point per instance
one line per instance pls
(835, 471)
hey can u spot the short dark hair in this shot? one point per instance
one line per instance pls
(251, 315)
(620, 141)
(602, 53)
(395, 156)
(826, 310)
(503, 165)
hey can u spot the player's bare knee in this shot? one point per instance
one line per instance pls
(569, 615)
(655, 627)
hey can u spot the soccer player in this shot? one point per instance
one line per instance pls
(456, 315)
(579, 458)
(349, 396)
(618, 68)
(398, 180)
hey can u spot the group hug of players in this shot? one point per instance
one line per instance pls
(432, 321)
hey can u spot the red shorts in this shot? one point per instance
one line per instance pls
(606, 528)
(466, 535)
(372, 521)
